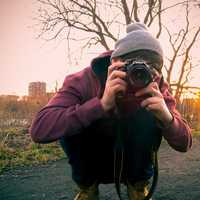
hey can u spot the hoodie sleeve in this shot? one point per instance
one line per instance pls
(65, 114)
(178, 133)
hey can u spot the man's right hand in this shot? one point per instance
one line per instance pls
(115, 83)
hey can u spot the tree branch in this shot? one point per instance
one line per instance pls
(126, 11)
(177, 95)
(135, 11)
(159, 19)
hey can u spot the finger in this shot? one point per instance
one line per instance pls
(117, 74)
(119, 88)
(149, 101)
(153, 107)
(154, 85)
(115, 66)
(155, 93)
(117, 81)
(152, 90)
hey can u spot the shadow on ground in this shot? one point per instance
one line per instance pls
(179, 179)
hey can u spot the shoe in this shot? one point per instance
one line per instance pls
(88, 193)
(138, 191)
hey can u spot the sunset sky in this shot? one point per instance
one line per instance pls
(24, 58)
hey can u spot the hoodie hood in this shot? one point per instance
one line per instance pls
(100, 65)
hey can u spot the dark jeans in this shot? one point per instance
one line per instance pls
(91, 153)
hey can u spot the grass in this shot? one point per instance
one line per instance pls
(196, 133)
(17, 149)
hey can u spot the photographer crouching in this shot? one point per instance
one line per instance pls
(111, 116)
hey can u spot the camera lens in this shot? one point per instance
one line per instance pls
(139, 75)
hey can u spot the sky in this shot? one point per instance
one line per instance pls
(23, 58)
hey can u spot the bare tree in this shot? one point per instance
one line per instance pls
(181, 44)
(100, 21)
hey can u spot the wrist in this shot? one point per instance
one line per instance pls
(167, 121)
(105, 106)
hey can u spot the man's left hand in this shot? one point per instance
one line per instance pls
(155, 103)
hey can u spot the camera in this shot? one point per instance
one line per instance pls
(139, 75)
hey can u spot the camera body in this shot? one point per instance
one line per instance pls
(139, 75)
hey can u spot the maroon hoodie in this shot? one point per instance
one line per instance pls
(77, 105)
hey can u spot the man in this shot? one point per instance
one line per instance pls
(83, 115)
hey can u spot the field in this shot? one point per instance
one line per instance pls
(17, 149)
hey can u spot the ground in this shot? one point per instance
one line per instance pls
(179, 179)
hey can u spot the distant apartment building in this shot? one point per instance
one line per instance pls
(37, 89)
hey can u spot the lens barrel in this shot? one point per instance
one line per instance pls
(138, 74)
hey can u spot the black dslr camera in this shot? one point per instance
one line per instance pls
(139, 75)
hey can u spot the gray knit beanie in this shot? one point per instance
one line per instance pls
(138, 38)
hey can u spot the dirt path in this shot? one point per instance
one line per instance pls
(179, 179)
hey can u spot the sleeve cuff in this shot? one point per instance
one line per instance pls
(165, 127)
(169, 130)
(92, 110)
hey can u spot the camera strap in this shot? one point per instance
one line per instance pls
(119, 155)
(119, 162)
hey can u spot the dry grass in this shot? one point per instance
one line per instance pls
(196, 133)
(17, 149)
